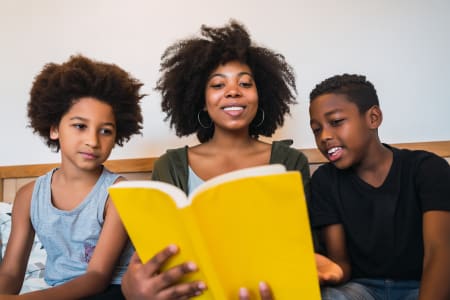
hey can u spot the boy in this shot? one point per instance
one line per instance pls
(384, 212)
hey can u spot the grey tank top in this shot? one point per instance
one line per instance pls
(70, 237)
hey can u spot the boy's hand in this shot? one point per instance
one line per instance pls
(144, 281)
(264, 291)
(329, 272)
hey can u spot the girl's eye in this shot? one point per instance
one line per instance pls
(106, 131)
(79, 126)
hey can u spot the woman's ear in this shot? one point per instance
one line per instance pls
(374, 117)
(54, 134)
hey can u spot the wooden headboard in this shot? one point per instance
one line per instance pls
(13, 177)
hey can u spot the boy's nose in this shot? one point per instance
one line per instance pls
(326, 135)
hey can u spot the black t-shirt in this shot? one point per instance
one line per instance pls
(383, 225)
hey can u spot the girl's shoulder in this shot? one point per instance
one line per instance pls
(25, 192)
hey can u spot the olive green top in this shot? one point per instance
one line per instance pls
(172, 167)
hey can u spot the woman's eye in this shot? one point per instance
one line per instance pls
(216, 85)
(246, 84)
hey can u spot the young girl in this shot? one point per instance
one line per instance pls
(228, 91)
(81, 108)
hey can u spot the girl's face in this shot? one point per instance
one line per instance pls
(86, 133)
(231, 96)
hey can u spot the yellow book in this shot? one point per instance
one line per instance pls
(240, 228)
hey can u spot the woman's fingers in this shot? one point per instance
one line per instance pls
(175, 274)
(183, 290)
(154, 265)
(264, 291)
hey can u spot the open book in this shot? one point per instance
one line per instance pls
(240, 228)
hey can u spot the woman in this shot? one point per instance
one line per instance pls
(228, 91)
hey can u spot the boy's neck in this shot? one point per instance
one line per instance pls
(375, 166)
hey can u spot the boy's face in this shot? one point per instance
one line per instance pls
(342, 133)
(86, 133)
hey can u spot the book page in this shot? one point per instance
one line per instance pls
(151, 214)
(257, 229)
(242, 173)
(177, 195)
(153, 220)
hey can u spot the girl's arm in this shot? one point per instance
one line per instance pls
(329, 273)
(13, 265)
(436, 262)
(98, 276)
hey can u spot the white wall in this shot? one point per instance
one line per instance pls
(402, 46)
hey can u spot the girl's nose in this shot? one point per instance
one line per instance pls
(92, 139)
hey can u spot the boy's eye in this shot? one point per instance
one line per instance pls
(336, 122)
(316, 130)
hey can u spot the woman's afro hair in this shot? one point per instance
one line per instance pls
(187, 64)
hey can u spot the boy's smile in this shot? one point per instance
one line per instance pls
(340, 130)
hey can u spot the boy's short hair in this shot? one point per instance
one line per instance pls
(58, 86)
(357, 89)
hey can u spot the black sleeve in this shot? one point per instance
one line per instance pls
(433, 183)
(323, 205)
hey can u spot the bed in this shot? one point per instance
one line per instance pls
(13, 177)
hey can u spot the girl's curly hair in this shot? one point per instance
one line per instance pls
(58, 86)
(186, 65)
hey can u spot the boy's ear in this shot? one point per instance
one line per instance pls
(374, 117)
(54, 134)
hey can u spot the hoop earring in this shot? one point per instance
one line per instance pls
(200, 122)
(262, 119)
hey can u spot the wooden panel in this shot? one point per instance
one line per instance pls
(132, 165)
(135, 165)
(9, 189)
(441, 148)
(145, 165)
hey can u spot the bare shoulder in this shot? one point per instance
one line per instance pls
(24, 194)
(262, 146)
(107, 204)
(201, 150)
